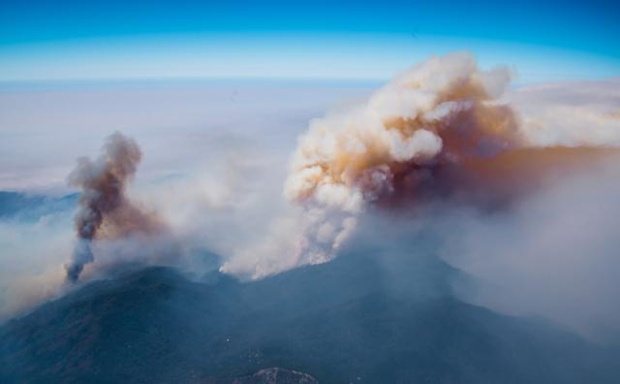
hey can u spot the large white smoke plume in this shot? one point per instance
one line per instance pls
(442, 112)
(445, 130)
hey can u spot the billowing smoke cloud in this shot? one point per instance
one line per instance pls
(104, 209)
(438, 130)
(441, 112)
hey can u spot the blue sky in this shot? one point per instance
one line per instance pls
(64, 40)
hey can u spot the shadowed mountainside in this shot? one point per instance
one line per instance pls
(374, 316)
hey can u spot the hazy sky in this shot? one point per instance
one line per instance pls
(69, 40)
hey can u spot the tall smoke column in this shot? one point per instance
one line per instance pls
(440, 114)
(102, 184)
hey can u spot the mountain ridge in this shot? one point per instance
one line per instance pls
(344, 321)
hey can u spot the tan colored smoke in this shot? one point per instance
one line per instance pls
(444, 109)
(438, 130)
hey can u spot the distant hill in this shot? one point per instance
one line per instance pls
(21, 206)
(370, 316)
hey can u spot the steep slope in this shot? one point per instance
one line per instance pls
(370, 316)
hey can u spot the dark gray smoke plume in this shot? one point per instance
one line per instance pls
(102, 183)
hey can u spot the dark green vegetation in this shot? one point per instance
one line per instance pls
(384, 312)
(368, 316)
